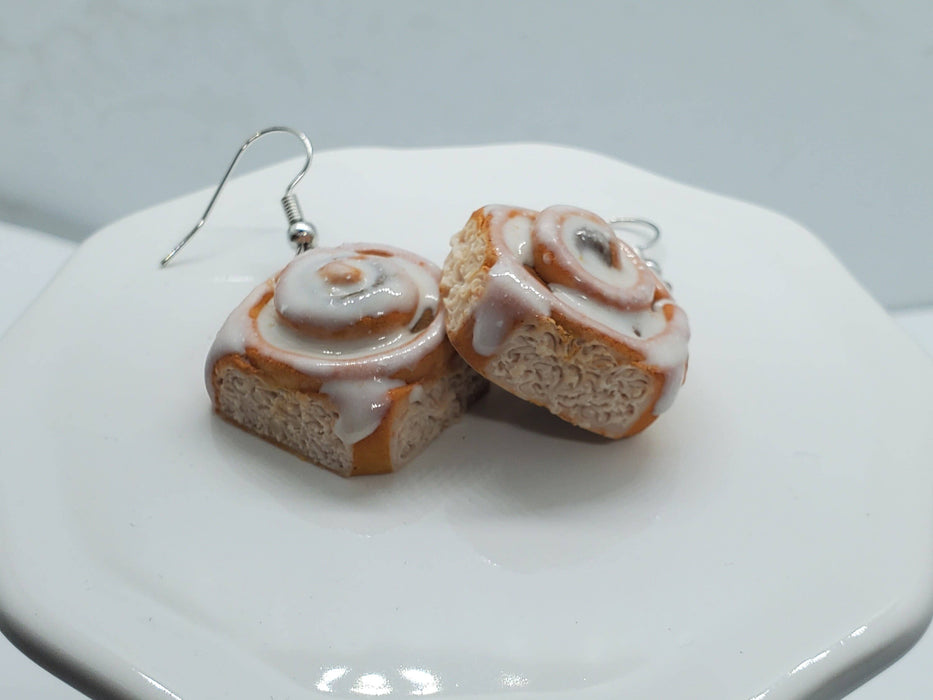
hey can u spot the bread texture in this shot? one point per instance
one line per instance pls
(302, 422)
(364, 403)
(547, 353)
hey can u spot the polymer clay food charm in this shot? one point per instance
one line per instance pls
(555, 308)
(341, 357)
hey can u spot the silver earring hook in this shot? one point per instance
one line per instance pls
(650, 239)
(300, 232)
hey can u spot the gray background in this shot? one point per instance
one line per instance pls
(820, 110)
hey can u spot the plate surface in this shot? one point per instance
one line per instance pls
(770, 536)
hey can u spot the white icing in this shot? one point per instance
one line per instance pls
(386, 285)
(361, 405)
(489, 329)
(282, 336)
(644, 323)
(628, 283)
(510, 292)
(672, 383)
(234, 335)
(617, 299)
(509, 297)
(516, 232)
(357, 372)
(589, 258)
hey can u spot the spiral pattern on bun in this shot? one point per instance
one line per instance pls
(353, 336)
(350, 294)
(555, 308)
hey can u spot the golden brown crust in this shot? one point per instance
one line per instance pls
(372, 454)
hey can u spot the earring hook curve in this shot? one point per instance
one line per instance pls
(653, 236)
(301, 232)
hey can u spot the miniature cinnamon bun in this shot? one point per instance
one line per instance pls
(342, 359)
(554, 308)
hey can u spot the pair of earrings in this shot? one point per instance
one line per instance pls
(356, 357)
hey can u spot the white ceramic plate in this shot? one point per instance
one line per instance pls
(770, 536)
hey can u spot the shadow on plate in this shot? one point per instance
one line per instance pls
(500, 476)
(499, 405)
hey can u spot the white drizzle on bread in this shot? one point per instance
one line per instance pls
(553, 307)
(342, 359)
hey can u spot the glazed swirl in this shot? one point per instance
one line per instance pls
(578, 250)
(567, 264)
(353, 322)
(347, 294)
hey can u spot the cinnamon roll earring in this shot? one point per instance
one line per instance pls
(342, 356)
(556, 309)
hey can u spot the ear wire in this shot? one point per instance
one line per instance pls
(649, 232)
(301, 233)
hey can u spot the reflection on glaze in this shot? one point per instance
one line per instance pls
(331, 290)
(284, 337)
